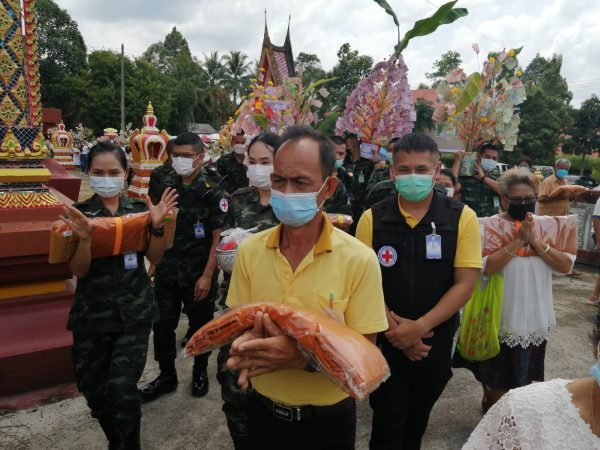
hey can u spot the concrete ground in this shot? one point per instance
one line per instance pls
(179, 421)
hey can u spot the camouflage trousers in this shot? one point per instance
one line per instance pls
(107, 369)
(169, 298)
(235, 399)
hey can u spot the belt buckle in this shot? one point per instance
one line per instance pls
(286, 412)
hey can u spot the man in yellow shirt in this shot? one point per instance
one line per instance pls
(429, 250)
(304, 261)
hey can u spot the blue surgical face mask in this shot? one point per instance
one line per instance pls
(339, 163)
(561, 173)
(595, 370)
(488, 164)
(414, 187)
(295, 209)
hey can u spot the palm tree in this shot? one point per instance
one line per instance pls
(237, 73)
(214, 69)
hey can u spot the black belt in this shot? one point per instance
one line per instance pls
(307, 412)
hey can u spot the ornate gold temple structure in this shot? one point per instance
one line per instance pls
(148, 151)
(276, 63)
(62, 142)
(34, 296)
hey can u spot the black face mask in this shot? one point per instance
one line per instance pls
(519, 212)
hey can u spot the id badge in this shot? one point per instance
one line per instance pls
(433, 245)
(130, 260)
(496, 203)
(361, 178)
(199, 231)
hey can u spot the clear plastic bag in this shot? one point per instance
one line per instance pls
(348, 358)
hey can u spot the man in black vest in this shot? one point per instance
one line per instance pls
(429, 251)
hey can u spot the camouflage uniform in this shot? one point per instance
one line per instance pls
(339, 203)
(377, 176)
(345, 176)
(200, 204)
(212, 173)
(380, 191)
(479, 197)
(361, 174)
(245, 211)
(111, 318)
(234, 171)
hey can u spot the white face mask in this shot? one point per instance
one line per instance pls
(183, 166)
(260, 175)
(107, 187)
(239, 149)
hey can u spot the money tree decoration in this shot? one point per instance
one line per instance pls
(273, 108)
(481, 107)
(381, 107)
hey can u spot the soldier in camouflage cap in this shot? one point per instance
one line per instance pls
(231, 166)
(481, 192)
(114, 306)
(187, 274)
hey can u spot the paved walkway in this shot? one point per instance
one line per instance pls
(178, 421)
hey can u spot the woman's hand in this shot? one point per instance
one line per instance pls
(533, 238)
(525, 231)
(81, 226)
(160, 210)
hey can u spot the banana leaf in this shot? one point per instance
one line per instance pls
(472, 90)
(320, 82)
(446, 14)
(388, 9)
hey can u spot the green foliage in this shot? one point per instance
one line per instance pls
(349, 70)
(446, 14)
(586, 126)
(424, 111)
(311, 66)
(443, 66)
(62, 56)
(539, 129)
(237, 74)
(327, 125)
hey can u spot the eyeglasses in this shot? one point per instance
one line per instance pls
(522, 200)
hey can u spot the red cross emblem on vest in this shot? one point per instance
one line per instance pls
(387, 256)
(224, 205)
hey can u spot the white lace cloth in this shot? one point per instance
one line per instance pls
(540, 416)
(527, 304)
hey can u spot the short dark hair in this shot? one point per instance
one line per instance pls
(450, 175)
(189, 138)
(525, 159)
(326, 148)
(107, 147)
(486, 146)
(351, 136)
(169, 147)
(415, 142)
(270, 139)
(393, 141)
(338, 140)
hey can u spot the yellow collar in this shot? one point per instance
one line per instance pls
(323, 243)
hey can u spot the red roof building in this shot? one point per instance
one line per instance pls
(277, 63)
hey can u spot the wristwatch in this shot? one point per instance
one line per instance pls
(157, 232)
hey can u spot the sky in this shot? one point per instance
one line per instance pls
(567, 27)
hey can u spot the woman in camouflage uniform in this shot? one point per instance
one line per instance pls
(114, 304)
(248, 208)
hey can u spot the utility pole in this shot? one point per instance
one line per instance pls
(122, 87)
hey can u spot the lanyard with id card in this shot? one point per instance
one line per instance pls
(130, 260)
(199, 230)
(433, 244)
